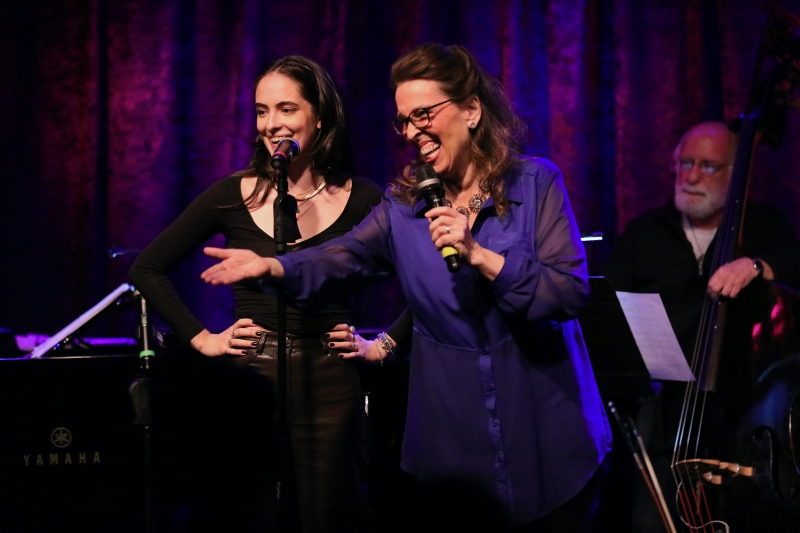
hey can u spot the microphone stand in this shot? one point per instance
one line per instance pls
(141, 395)
(286, 231)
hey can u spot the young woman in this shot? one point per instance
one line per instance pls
(294, 98)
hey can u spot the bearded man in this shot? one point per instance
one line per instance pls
(669, 251)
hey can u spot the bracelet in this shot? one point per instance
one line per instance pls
(384, 342)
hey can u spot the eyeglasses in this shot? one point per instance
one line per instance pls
(706, 167)
(420, 118)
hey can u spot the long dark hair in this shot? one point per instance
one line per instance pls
(330, 153)
(497, 139)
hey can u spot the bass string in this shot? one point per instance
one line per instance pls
(692, 393)
(694, 503)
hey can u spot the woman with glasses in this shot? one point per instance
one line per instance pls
(294, 99)
(501, 396)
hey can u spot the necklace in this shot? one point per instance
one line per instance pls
(697, 247)
(476, 201)
(311, 193)
(702, 255)
(310, 206)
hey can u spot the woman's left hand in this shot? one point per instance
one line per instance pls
(350, 345)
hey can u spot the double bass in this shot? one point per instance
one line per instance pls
(736, 461)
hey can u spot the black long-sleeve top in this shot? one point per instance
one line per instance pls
(207, 216)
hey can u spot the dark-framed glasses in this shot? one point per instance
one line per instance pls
(707, 167)
(420, 118)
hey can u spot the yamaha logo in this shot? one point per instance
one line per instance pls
(61, 437)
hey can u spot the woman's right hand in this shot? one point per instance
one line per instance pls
(450, 228)
(235, 340)
(238, 264)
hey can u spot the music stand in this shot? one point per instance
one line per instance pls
(617, 363)
(621, 373)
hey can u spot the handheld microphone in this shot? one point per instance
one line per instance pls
(429, 184)
(286, 151)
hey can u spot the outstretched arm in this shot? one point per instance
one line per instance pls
(238, 264)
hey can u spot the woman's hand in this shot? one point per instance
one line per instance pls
(237, 265)
(233, 341)
(451, 228)
(350, 345)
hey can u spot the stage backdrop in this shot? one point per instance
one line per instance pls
(114, 115)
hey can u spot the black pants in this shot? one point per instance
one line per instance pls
(327, 436)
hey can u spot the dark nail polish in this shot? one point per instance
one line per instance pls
(259, 333)
(327, 335)
(244, 352)
(253, 344)
(341, 356)
(330, 344)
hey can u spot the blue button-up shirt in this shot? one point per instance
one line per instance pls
(501, 389)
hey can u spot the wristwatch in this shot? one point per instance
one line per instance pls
(759, 266)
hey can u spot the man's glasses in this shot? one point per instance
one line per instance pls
(420, 118)
(706, 167)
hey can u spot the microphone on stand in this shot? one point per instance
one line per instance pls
(284, 210)
(429, 184)
(286, 151)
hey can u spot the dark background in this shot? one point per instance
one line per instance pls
(115, 115)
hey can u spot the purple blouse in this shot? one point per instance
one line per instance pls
(501, 390)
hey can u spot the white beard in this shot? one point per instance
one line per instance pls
(699, 207)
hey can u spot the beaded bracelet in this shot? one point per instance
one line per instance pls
(386, 344)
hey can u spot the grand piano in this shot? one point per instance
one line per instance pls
(72, 456)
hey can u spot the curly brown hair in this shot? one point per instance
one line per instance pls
(496, 141)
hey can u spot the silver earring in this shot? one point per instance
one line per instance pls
(472, 125)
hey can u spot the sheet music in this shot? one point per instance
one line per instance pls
(654, 336)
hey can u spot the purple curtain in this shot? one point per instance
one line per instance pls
(115, 115)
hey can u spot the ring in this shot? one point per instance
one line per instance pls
(447, 229)
(352, 330)
(233, 331)
(229, 341)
